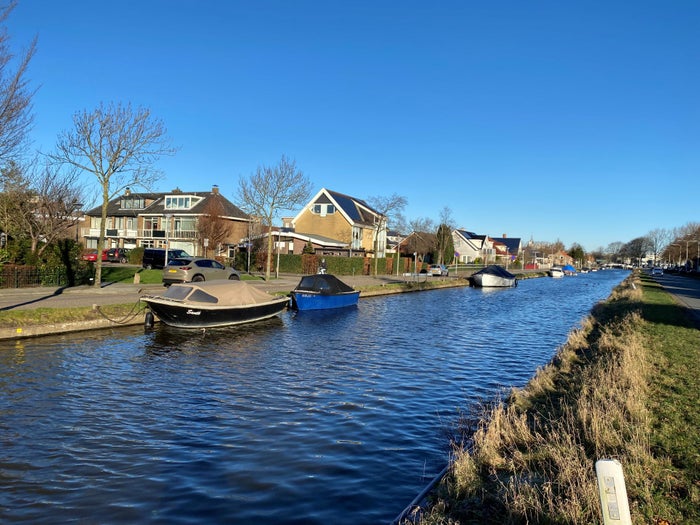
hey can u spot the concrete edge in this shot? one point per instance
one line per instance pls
(22, 332)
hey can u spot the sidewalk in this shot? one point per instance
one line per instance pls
(124, 293)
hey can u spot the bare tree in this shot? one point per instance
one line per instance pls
(386, 207)
(57, 199)
(270, 190)
(422, 224)
(211, 225)
(15, 96)
(40, 206)
(119, 146)
(658, 240)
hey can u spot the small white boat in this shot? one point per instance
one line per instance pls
(556, 271)
(493, 276)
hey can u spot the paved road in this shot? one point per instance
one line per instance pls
(121, 293)
(686, 290)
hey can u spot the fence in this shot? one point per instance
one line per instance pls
(25, 276)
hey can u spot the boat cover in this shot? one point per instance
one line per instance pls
(497, 270)
(569, 268)
(222, 293)
(323, 283)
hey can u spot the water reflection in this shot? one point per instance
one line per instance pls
(331, 417)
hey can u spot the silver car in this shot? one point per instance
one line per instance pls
(196, 269)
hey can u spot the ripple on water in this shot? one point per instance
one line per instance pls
(339, 417)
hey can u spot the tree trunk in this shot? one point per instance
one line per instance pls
(269, 250)
(103, 228)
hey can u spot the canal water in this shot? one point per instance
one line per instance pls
(340, 417)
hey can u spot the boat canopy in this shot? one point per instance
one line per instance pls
(569, 268)
(324, 284)
(494, 269)
(229, 293)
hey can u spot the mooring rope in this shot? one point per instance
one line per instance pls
(135, 311)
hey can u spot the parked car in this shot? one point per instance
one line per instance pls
(120, 255)
(657, 271)
(196, 269)
(438, 269)
(89, 255)
(155, 257)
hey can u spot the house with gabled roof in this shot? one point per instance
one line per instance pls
(507, 248)
(152, 220)
(469, 246)
(345, 219)
(561, 258)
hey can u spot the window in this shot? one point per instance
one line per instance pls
(330, 209)
(150, 223)
(132, 203)
(317, 209)
(180, 202)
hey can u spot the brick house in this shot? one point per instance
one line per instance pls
(151, 220)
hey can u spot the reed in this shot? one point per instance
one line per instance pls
(531, 458)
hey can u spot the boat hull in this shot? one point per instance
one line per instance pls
(493, 276)
(182, 315)
(306, 300)
(486, 280)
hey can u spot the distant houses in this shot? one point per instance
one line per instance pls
(330, 224)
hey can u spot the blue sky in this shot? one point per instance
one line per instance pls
(571, 121)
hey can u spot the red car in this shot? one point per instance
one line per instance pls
(90, 256)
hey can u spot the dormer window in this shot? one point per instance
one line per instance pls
(132, 203)
(180, 202)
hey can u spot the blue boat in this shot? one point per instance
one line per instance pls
(323, 291)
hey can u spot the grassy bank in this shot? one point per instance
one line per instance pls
(625, 386)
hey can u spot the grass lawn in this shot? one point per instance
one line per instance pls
(125, 274)
(624, 386)
(674, 390)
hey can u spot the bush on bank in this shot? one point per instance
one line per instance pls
(624, 386)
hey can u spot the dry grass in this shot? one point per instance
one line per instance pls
(531, 459)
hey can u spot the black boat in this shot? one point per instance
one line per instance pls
(213, 303)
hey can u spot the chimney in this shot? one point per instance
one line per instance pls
(505, 236)
(215, 189)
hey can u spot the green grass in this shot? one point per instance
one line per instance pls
(42, 316)
(674, 346)
(624, 386)
(125, 274)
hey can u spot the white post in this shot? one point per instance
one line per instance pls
(612, 492)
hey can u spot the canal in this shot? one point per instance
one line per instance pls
(308, 418)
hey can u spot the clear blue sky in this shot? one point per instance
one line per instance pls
(571, 121)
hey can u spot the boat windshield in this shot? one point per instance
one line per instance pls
(177, 293)
(200, 296)
(189, 293)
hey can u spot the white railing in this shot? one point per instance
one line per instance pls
(172, 234)
(141, 234)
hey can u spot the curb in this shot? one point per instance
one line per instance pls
(22, 332)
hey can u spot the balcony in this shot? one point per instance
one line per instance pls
(140, 234)
(172, 234)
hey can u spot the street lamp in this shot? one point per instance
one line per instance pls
(165, 227)
(679, 252)
(78, 215)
